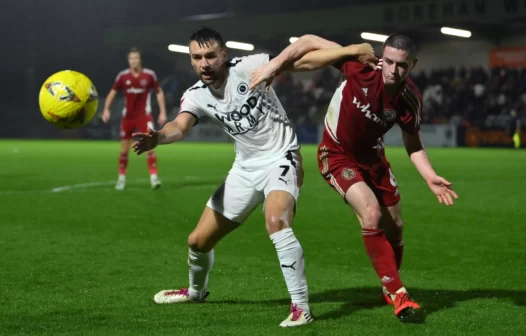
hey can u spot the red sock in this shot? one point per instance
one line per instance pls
(398, 249)
(123, 163)
(382, 256)
(152, 163)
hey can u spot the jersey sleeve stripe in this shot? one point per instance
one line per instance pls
(120, 74)
(413, 102)
(151, 73)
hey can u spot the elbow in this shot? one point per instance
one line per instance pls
(307, 38)
(310, 42)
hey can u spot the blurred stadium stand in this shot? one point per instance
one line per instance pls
(468, 84)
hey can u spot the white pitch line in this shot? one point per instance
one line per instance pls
(104, 183)
(83, 185)
(87, 185)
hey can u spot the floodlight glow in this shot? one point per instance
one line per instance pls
(239, 45)
(455, 32)
(374, 37)
(179, 48)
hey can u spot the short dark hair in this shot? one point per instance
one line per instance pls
(135, 50)
(206, 36)
(403, 42)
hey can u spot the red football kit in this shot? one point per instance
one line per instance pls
(359, 115)
(137, 109)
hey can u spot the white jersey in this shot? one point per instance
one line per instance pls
(255, 119)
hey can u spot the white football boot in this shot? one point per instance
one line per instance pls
(121, 182)
(155, 182)
(178, 296)
(297, 317)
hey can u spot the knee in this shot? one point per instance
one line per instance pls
(276, 223)
(371, 217)
(199, 243)
(124, 152)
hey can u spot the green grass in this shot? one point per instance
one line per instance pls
(87, 261)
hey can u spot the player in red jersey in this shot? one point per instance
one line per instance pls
(136, 82)
(375, 95)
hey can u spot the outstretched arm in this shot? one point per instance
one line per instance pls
(323, 54)
(322, 58)
(417, 153)
(295, 51)
(171, 132)
(284, 62)
(177, 129)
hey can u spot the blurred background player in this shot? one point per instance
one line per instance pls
(369, 101)
(514, 128)
(136, 82)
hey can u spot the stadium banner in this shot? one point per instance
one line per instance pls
(513, 57)
(486, 137)
(432, 135)
(441, 11)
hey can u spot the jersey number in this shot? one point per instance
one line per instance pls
(285, 170)
(392, 178)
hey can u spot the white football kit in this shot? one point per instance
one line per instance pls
(267, 150)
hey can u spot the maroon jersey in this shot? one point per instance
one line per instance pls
(137, 92)
(360, 113)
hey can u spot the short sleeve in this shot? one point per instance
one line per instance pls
(155, 81)
(349, 66)
(248, 64)
(410, 120)
(189, 106)
(117, 84)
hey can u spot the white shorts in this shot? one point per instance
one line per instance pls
(243, 191)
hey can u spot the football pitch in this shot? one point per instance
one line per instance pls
(79, 258)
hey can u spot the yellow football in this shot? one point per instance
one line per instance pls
(68, 99)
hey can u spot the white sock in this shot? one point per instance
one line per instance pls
(122, 177)
(199, 265)
(153, 176)
(290, 255)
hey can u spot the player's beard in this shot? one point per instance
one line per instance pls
(214, 79)
(209, 78)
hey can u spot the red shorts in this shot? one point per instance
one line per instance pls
(340, 172)
(130, 126)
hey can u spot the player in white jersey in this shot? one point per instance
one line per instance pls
(267, 167)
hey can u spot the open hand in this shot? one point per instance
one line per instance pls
(442, 189)
(146, 141)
